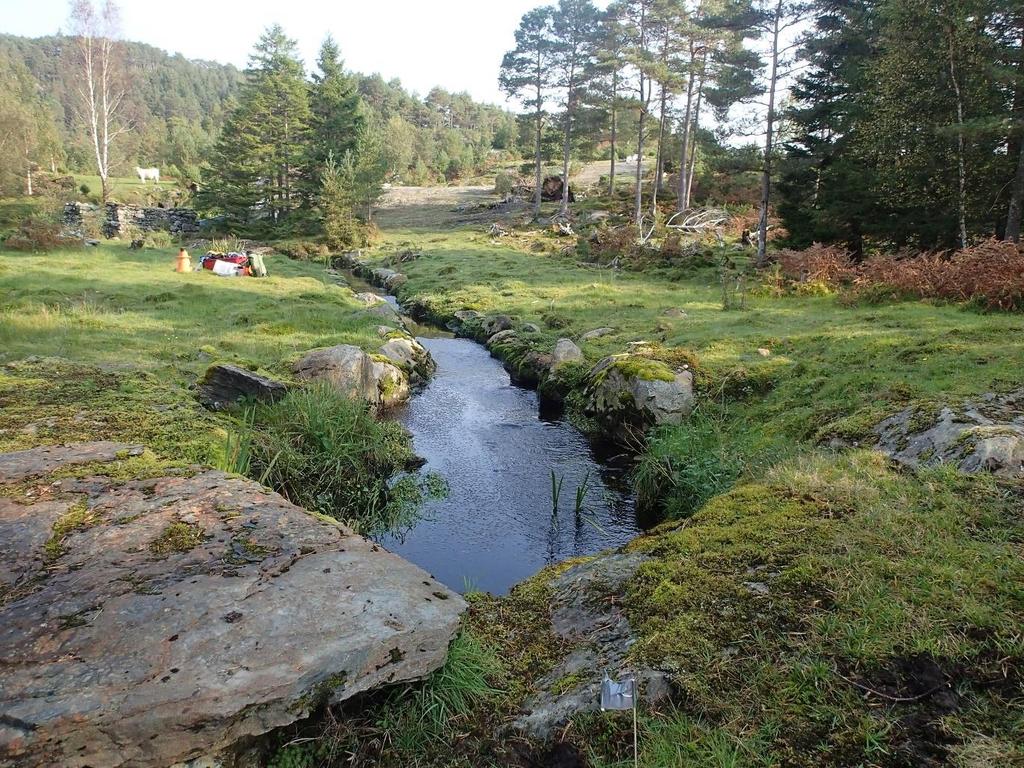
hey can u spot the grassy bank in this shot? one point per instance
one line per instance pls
(813, 604)
(107, 343)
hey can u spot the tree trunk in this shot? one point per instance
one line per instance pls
(1016, 142)
(693, 137)
(658, 171)
(567, 141)
(1013, 216)
(681, 192)
(638, 213)
(536, 151)
(615, 95)
(961, 196)
(766, 174)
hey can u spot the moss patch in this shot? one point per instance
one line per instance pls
(177, 537)
(77, 518)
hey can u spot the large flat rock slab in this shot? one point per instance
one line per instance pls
(21, 465)
(150, 622)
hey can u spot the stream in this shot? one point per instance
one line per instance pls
(496, 449)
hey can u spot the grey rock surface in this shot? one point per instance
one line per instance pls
(182, 615)
(597, 635)
(491, 324)
(596, 333)
(566, 351)
(35, 462)
(411, 356)
(624, 402)
(223, 385)
(983, 435)
(381, 383)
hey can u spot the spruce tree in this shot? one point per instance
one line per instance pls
(260, 158)
(336, 109)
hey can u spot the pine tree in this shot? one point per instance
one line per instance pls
(525, 75)
(639, 21)
(575, 40)
(336, 108)
(259, 160)
(607, 79)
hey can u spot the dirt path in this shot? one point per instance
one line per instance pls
(592, 172)
(418, 207)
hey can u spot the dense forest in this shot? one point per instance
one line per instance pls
(892, 122)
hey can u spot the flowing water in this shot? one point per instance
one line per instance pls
(488, 439)
(496, 449)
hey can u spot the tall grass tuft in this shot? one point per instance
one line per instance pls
(415, 716)
(682, 468)
(327, 453)
(556, 491)
(237, 454)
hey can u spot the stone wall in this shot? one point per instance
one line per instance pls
(177, 221)
(182, 222)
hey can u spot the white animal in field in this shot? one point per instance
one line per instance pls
(148, 173)
(632, 159)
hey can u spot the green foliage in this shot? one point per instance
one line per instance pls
(337, 199)
(260, 156)
(879, 86)
(326, 452)
(416, 716)
(682, 468)
(336, 109)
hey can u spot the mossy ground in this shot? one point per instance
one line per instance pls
(806, 611)
(816, 607)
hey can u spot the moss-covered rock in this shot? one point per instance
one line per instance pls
(373, 378)
(627, 394)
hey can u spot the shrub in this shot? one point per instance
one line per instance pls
(158, 239)
(989, 274)
(304, 250)
(38, 233)
(85, 190)
(816, 265)
(504, 183)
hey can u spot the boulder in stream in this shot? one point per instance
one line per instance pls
(409, 355)
(374, 379)
(630, 393)
(152, 622)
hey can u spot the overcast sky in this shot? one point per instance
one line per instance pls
(457, 44)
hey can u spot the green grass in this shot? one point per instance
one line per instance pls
(793, 577)
(105, 343)
(126, 189)
(328, 453)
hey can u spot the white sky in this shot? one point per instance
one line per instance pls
(457, 44)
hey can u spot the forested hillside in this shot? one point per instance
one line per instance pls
(176, 108)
